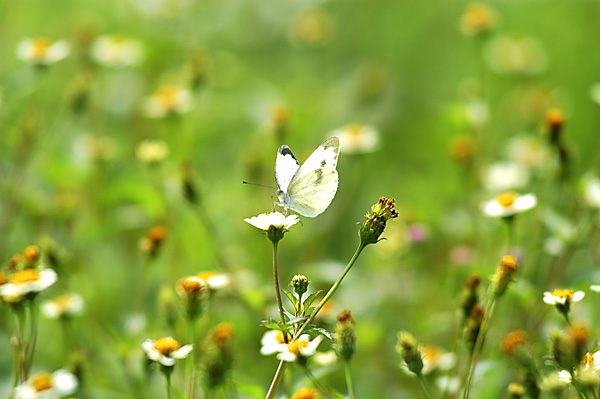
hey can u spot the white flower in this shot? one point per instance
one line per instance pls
(436, 359)
(47, 386)
(300, 347)
(152, 152)
(165, 351)
(505, 176)
(530, 151)
(116, 51)
(42, 51)
(271, 342)
(355, 138)
(565, 376)
(64, 305)
(562, 297)
(518, 55)
(591, 192)
(276, 220)
(508, 204)
(168, 100)
(214, 280)
(325, 358)
(25, 282)
(595, 288)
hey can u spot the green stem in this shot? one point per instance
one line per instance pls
(192, 340)
(334, 287)
(277, 287)
(491, 305)
(33, 320)
(424, 386)
(320, 387)
(349, 379)
(168, 377)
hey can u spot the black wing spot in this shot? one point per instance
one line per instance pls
(323, 163)
(285, 150)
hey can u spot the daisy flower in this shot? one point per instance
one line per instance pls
(271, 341)
(303, 347)
(165, 351)
(435, 358)
(41, 51)
(168, 100)
(508, 204)
(63, 306)
(116, 51)
(26, 282)
(356, 138)
(152, 152)
(47, 386)
(273, 220)
(562, 299)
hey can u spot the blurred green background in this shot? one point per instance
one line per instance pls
(70, 180)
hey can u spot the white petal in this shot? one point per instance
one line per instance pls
(525, 202)
(64, 382)
(218, 281)
(182, 352)
(577, 296)
(25, 391)
(565, 376)
(595, 288)
(286, 356)
(549, 298)
(560, 300)
(50, 309)
(47, 278)
(166, 361)
(312, 346)
(493, 209)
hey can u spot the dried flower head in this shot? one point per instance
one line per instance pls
(504, 275)
(193, 291)
(555, 121)
(410, 351)
(31, 254)
(345, 337)
(153, 240)
(470, 294)
(376, 220)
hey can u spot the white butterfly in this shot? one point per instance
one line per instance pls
(308, 188)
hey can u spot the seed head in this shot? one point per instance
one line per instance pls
(376, 220)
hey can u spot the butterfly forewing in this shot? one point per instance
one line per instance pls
(286, 167)
(325, 156)
(312, 193)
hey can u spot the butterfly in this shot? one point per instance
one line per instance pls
(308, 188)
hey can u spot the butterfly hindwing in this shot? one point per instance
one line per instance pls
(312, 193)
(286, 167)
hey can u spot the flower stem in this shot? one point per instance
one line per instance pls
(424, 386)
(192, 339)
(277, 288)
(316, 382)
(33, 320)
(281, 367)
(168, 377)
(349, 379)
(491, 305)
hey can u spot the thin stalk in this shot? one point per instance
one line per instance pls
(168, 377)
(33, 320)
(192, 339)
(277, 287)
(348, 379)
(424, 386)
(320, 387)
(334, 287)
(491, 305)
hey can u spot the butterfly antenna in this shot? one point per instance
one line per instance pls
(257, 184)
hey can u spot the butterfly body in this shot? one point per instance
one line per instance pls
(308, 188)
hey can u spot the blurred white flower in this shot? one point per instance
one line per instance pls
(435, 358)
(116, 51)
(63, 306)
(530, 151)
(47, 386)
(215, 280)
(165, 351)
(271, 342)
(26, 281)
(562, 297)
(591, 192)
(152, 152)
(476, 112)
(276, 220)
(505, 176)
(325, 358)
(508, 204)
(595, 287)
(168, 100)
(355, 138)
(515, 54)
(302, 347)
(41, 51)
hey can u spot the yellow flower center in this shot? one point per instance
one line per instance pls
(354, 130)
(166, 345)
(431, 353)
(40, 47)
(588, 359)
(567, 294)
(222, 332)
(62, 301)
(507, 199)
(167, 96)
(509, 262)
(306, 393)
(296, 346)
(41, 381)
(25, 276)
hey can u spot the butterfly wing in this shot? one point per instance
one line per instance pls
(312, 193)
(286, 167)
(325, 156)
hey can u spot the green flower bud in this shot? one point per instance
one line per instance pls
(300, 284)
(410, 351)
(375, 221)
(345, 337)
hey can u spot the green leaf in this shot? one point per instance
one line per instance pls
(295, 320)
(311, 298)
(273, 325)
(309, 311)
(315, 331)
(293, 300)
